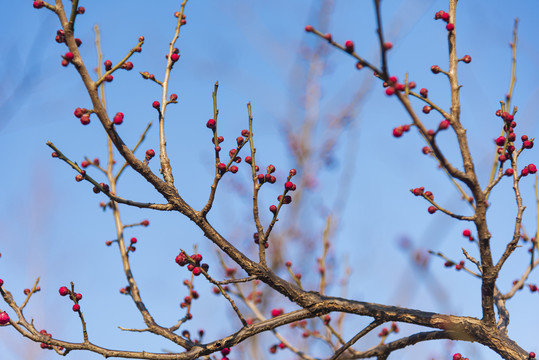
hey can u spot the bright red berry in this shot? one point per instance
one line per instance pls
(174, 57)
(290, 186)
(466, 233)
(197, 271)
(76, 307)
(150, 153)
(108, 65)
(109, 78)
(457, 356)
(69, 56)
(508, 172)
(118, 118)
(4, 318)
(225, 351)
(63, 291)
(233, 169)
(388, 45)
(38, 5)
(211, 124)
(450, 27)
(432, 209)
(500, 141)
(435, 69)
(531, 355)
(276, 312)
(349, 46)
(156, 104)
(532, 169)
(273, 208)
(397, 132)
(467, 59)
(426, 109)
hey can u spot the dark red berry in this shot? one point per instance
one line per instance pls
(349, 46)
(211, 124)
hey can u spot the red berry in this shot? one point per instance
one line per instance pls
(211, 124)
(128, 66)
(292, 172)
(430, 132)
(233, 169)
(270, 169)
(390, 91)
(435, 69)
(109, 78)
(432, 209)
(225, 351)
(466, 233)
(78, 42)
(273, 208)
(457, 356)
(78, 297)
(359, 65)
(388, 45)
(150, 153)
(197, 271)
(81, 10)
(108, 65)
(508, 172)
(276, 312)
(500, 141)
(290, 186)
(524, 171)
(444, 124)
(429, 195)
(118, 118)
(328, 37)
(450, 27)
(38, 5)
(221, 167)
(4, 318)
(145, 222)
(445, 16)
(85, 119)
(349, 46)
(309, 28)
(424, 92)
(527, 144)
(427, 109)
(76, 307)
(467, 59)
(173, 97)
(397, 132)
(64, 62)
(68, 56)
(531, 355)
(411, 85)
(156, 104)
(393, 79)
(174, 57)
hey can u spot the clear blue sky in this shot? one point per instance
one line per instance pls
(51, 226)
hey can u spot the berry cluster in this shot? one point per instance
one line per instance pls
(192, 262)
(75, 297)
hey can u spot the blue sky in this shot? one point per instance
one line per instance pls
(51, 226)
